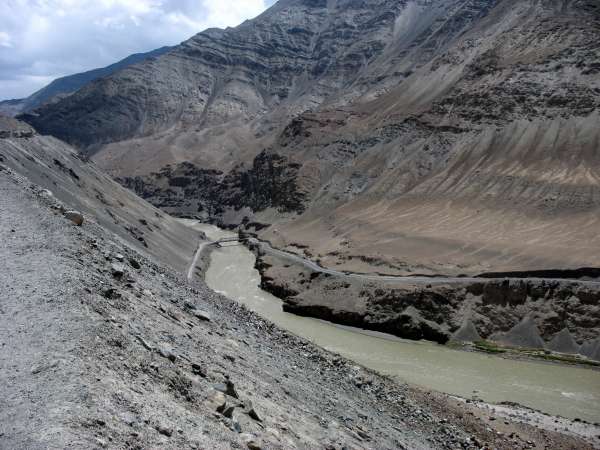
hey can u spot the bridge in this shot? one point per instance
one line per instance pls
(220, 242)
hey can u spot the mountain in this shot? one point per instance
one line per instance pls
(64, 86)
(431, 136)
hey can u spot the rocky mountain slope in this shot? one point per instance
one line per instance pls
(64, 86)
(439, 136)
(105, 345)
(65, 175)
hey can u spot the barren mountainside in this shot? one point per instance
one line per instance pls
(432, 136)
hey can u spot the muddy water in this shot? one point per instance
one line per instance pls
(560, 390)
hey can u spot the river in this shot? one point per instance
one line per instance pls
(555, 389)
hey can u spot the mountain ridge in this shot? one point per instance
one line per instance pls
(70, 83)
(445, 129)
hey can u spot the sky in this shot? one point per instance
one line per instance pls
(41, 40)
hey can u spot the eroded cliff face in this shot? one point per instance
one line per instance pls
(434, 311)
(439, 135)
(187, 189)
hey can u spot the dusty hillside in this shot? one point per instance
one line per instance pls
(428, 135)
(57, 167)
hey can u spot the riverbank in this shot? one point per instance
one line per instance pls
(440, 309)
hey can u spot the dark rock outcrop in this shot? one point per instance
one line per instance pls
(189, 190)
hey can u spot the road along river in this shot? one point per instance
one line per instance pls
(555, 389)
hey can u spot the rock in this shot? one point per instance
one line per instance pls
(168, 353)
(197, 369)
(251, 411)
(164, 430)
(563, 342)
(363, 435)
(46, 193)
(235, 426)
(215, 400)
(230, 390)
(117, 270)
(226, 409)
(111, 293)
(146, 345)
(133, 263)
(228, 412)
(119, 257)
(253, 445)
(202, 315)
(466, 333)
(44, 367)
(227, 388)
(75, 217)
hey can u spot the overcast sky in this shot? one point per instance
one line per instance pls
(41, 40)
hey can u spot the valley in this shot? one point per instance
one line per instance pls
(341, 225)
(116, 347)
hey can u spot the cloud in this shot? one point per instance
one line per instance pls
(5, 40)
(44, 39)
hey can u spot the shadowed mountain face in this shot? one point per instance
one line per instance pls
(442, 136)
(65, 86)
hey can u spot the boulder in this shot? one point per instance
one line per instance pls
(563, 342)
(249, 409)
(117, 270)
(227, 388)
(197, 369)
(202, 315)
(164, 430)
(75, 217)
(226, 410)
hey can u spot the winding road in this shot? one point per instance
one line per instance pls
(418, 279)
(266, 247)
(201, 245)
